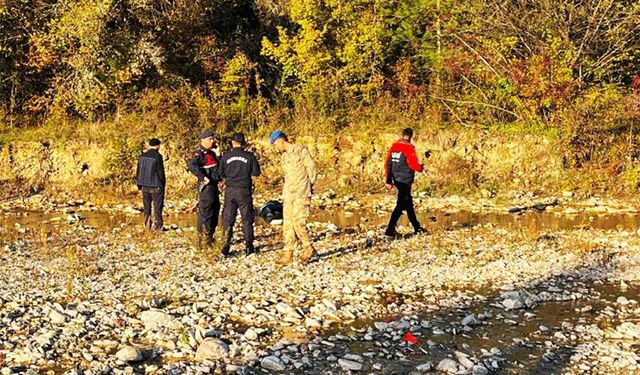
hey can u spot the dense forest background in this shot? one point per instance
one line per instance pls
(566, 69)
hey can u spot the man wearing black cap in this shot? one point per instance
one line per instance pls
(237, 166)
(151, 180)
(204, 165)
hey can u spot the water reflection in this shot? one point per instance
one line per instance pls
(534, 221)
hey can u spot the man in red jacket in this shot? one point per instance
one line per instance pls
(401, 164)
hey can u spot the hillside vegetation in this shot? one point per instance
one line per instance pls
(539, 95)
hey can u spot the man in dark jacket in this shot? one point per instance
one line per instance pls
(401, 164)
(151, 181)
(204, 165)
(237, 166)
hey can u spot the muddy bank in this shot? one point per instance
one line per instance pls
(475, 164)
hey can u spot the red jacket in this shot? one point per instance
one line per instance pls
(401, 163)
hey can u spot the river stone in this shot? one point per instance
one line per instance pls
(57, 317)
(154, 318)
(74, 217)
(105, 343)
(284, 309)
(251, 334)
(630, 329)
(272, 363)
(329, 304)
(622, 300)
(448, 365)
(250, 308)
(464, 360)
(425, 367)
(129, 354)
(354, 357)
(349, 365)
(512, 303)
(381, 326)
(560, 336)
(480, 370)
(470, 320)
(312, 323)
(212, 350)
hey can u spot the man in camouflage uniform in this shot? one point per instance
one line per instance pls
(299, 177)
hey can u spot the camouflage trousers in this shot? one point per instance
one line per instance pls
(295, 214)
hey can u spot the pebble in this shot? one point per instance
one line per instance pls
(155, 318)
(129, 354)
(622, 300)
(448, 365)
(425, 367)
(272, 363)
(543, 328)
(470, 320)
(480, 370)
(381, 326)
(349, 365)
(57, 317)
(512, 304)
(251, 334)
(212, 349)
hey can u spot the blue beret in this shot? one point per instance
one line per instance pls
(275, 135)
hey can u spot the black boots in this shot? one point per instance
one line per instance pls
(421, 230)
(391, 234)
(226, 248)
(250, 249)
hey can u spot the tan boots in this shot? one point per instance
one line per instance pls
(307, 254)
(287, 256)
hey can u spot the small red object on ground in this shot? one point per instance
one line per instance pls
(410, 338)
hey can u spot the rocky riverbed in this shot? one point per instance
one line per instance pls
(78, 297)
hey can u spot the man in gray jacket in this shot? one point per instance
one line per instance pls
(151, 181)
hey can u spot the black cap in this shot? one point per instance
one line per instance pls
(238, 137)
(153, 142)
(206, 134)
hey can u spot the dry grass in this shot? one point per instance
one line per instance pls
(528, 231)
(577, 242)
(79, 265)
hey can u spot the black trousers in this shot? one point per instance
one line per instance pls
(238, 198)
(153, 196)
(404, 203)
(208, 211)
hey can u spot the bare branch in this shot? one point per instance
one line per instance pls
(477, 103)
